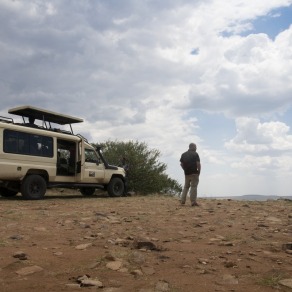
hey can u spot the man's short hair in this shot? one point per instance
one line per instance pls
(192, 146)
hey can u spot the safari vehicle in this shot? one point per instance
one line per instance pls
(35, 157)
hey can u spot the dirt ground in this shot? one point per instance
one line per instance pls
(67, 242)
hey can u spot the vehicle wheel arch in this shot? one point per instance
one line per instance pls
(43, 173)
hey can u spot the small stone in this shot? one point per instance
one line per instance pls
(226, 244)
(148, 270)
(214, 240)
(274, 220)
(162, 286)
(42, 229)
(137, 273)
(109, 257)
(81, 278)
(286, 282)
(91, 282)
(16, 237)
(73, 286)
(148, 245)
(115, 265)
(58, 253)
(20, 255)
(114, 220)
(94, 265)
(29, 270)
(229, 264)
(83, 246)
(229, 279)
(203, 261)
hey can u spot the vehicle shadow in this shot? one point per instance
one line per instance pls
(59, 196)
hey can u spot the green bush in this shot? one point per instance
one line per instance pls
(146, 174)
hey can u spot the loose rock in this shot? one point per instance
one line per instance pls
(29, 270)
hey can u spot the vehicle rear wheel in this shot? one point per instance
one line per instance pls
(7, 193)
(116, 187)
(33, 187)
(87, 191)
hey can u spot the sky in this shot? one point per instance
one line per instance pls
(167, 73)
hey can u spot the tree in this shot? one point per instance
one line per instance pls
(145, 174)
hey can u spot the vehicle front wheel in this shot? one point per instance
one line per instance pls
(116, 187)
(7, 193)
(87, 191)
(33, 187)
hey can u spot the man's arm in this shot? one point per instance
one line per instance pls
(199, 167)
(181, 162)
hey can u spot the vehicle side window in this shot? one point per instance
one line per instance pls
(47, 146)
(10, 140)
(90, 156)
(27, 144)
(23, 143)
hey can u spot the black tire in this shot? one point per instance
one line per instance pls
(87, 191)
(7, 193)
(116, 187)
(33, 187)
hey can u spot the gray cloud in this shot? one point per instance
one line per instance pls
(137, 70)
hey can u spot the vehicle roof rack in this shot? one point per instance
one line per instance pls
(82, 137)
(6, 120)
(44, 115)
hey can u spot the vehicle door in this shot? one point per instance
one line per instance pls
(94, 170)
(80, 164)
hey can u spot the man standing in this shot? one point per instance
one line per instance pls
(190, 163)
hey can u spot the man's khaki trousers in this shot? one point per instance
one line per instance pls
(192, 181)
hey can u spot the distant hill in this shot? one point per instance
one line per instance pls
(254, 198)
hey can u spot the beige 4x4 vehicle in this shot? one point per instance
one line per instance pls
(36, 157)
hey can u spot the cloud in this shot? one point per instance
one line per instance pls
(251, 76)
(260, 138)
(143, 70)
(263, 155)
(121, 53)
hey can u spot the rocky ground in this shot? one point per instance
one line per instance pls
(144, 244)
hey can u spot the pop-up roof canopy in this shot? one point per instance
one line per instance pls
(44, 115)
